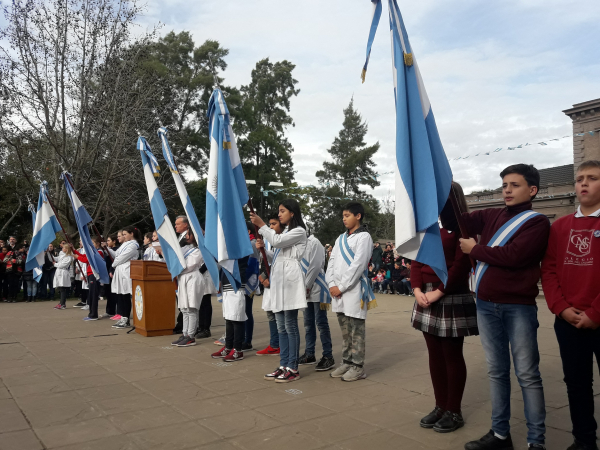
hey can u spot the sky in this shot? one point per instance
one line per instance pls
(498, 74)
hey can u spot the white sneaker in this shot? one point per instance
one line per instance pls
(355, 373)
(85, 308)
(340, 371)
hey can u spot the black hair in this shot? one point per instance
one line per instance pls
(529, 172)
(133, 230)
(251, 227)
(448, 216)
(113, 237)
(294, 207)
(356, 208)
(273, 216)
(149, 235)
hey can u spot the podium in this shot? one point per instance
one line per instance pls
(153, 298)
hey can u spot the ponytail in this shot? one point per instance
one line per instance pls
(136, 233)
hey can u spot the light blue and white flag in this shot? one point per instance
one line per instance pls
(226, 232)
(209, 260)
(44, 230)
(37, 272)
(167, 237)
(423, 175)
(82, 219)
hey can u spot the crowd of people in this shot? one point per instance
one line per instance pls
(513, 246)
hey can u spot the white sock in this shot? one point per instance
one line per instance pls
(500, 437)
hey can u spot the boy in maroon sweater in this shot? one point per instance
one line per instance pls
(506, 307)
(571, 281)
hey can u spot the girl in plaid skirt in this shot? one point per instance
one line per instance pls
(446, 314)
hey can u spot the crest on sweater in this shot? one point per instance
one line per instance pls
(580, 242)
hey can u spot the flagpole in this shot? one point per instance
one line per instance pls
(64, 232)
(262, 249)
(460, 219)
(68, 177)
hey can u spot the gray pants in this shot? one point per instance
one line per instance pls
(354, 336)
(190, 321)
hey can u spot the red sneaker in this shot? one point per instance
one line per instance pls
(234, 355)
(275, 374)
(116, 317)
(57, 306)
(268, 351)
(221, 353)
(288, 376)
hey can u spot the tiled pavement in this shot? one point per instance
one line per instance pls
(68, 384)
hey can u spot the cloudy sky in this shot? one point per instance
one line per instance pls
(498, 74)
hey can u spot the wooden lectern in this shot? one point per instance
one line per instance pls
(153, 298)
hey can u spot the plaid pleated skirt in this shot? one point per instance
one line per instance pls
(450, 316)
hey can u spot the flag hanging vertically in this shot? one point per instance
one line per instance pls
(44, 230)
(82, 219)
(167, 237)
(37, 271)
(226, 232)
(423, 174)
(209, 260)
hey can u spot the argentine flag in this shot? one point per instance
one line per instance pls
(44, 230)
(210, 262)
(82, 218)
(226, 232)
(37, 272)
(423, 175)
(167, 237)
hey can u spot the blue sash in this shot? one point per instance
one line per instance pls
(367, 296)
(501, 237)
(320, 280)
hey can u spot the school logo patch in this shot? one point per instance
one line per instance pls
(597, 233)
(580, 242)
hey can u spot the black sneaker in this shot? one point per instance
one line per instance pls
(247, 346)
(122, 324)
(203, 334)
(540, 446)
(490, 442)
(325, 364)
(578, 445)
(275, 374)
(430, 419)
(181, 338)
(79, 305)
(306, 360)
(187, 341)
(449, 422)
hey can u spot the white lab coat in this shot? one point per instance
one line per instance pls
(315, 255)
(266, 298)
(62, 276)
(234, 306)
(287, 279)
(347, 278)
(151, 255)
(190, 282)
(121, 282)
(83, 274)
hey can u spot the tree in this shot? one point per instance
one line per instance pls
(76, 86)
(340, 181)
(261, 124)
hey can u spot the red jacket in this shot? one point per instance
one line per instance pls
(458, 264)
(571, 267)
(84, 259)
(514, 269)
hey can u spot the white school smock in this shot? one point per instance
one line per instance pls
(266, 299)
(315, 255)
(234, 305)
(151, 255)
(121, 282)
(287, 279)
(347, 278)
(83, 274)
(190, 283)
(62, 276)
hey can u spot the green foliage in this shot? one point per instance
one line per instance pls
(197, 193)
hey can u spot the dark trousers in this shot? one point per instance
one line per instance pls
(577, 350)
(3, 289)
(234, 334)
(249, 324)
(12, 285)
(63, 295)
(77, 287)
(447, 369)
(47, 282)
(205, 313)
(111, 302)
(85, 293)
(93, 296)
(124, 305)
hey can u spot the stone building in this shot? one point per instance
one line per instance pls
(556, 197)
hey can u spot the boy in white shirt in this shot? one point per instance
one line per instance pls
(351, 293)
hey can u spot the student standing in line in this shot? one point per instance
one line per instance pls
(62, 277)
(288, 292)
(315, 314)
(350, 291)
(446, 313)
(93, 283)
(111, 244)
(512, 245)
(48, 270)
(253, 270)
(273, 347)
(121, 284)
(572, 288)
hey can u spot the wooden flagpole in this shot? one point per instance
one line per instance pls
(460, 219)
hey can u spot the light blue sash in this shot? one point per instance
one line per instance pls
(500, 238)
(367, 296)
(320, 280)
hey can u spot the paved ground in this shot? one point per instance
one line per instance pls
(69, 384)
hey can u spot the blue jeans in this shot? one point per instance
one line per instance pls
(313, 313)
(32, 286)
(249, 325)
(289, 338)
(274, 339)
(500, 326)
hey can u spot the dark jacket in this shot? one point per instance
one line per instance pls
(376, 258)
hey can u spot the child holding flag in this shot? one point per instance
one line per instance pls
(350, 290)
(62, 276)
